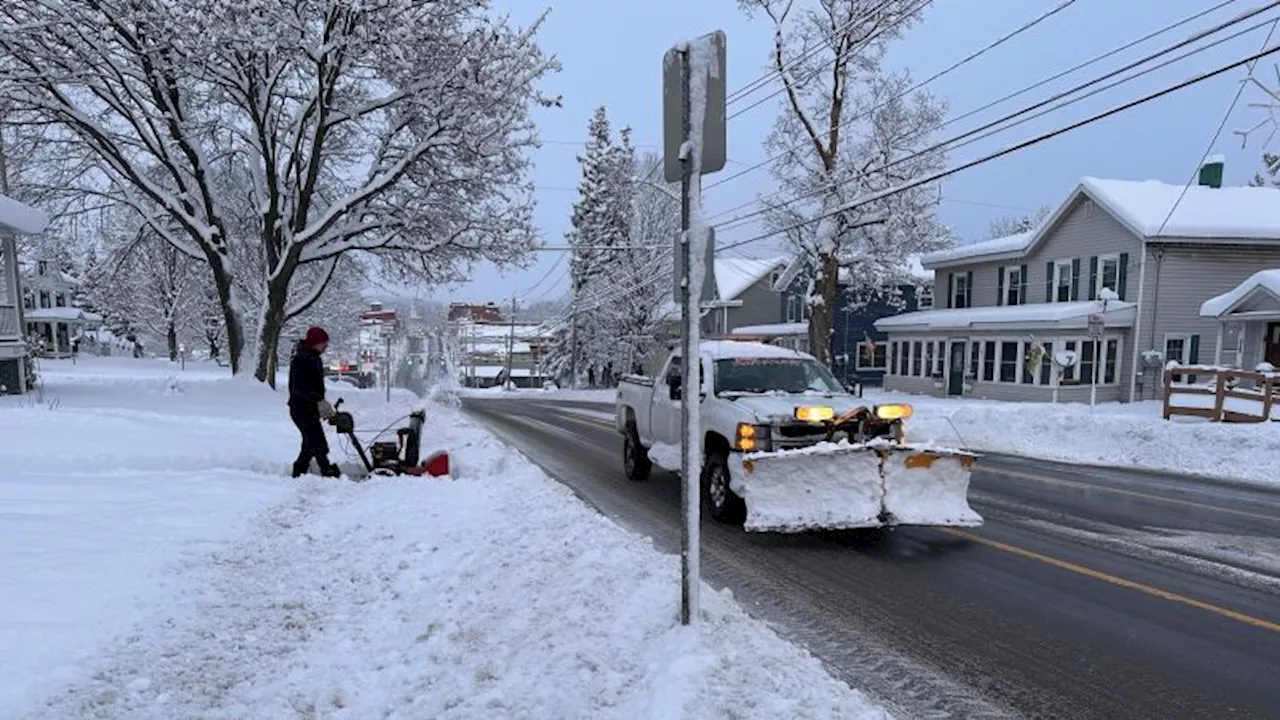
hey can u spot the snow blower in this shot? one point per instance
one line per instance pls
(393, 457)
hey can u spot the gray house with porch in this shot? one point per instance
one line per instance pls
(1139, 258)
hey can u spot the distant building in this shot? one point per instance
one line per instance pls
(466, 312)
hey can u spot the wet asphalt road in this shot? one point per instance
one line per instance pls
(1076, 599)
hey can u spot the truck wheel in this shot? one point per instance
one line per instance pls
(723, 503)
(635, 459)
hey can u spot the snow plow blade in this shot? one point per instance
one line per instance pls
(844, 487)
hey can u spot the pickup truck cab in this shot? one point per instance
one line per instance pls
(754, 398)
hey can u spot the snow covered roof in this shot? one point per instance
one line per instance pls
(1203, 213)
(61, 314)
(1200, 213)
(1065, 315)
(1265, 282)
(780, 329)
(1009, 244)
(735, 275)
(20, 218)
(915, 268)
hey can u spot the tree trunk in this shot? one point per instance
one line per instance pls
(230, 314)
(171, 336)
(820, 315)
(273, 319)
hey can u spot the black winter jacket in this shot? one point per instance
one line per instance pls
(306, 379)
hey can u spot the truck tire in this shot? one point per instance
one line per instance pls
(722, 502)
(635, 459)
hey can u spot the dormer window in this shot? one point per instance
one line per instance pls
(42, 267)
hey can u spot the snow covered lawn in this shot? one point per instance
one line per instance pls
(1133, 434)
(160, 564)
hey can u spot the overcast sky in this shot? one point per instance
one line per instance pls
(612, 51)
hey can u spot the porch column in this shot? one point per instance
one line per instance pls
(1217, 348)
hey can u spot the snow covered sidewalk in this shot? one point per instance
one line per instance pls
(234, 592)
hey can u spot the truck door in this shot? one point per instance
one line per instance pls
(665, 412)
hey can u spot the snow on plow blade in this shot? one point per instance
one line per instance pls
(842, 487)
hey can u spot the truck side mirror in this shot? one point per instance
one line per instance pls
(674, 388)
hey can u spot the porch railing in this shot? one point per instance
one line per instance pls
(1228, 395)
(9, 322)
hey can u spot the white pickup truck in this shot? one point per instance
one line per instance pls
(787, 448)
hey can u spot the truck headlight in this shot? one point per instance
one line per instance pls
(815, 413)
(752, 438)
(895, 411)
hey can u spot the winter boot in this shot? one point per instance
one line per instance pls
(300, 469)
(330, 471)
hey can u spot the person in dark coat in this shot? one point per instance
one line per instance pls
(307, 406)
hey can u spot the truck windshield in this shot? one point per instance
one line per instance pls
(757, 376)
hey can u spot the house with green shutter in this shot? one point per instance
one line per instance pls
(1102, 293)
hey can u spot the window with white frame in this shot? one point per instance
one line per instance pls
(797, 309)
(1177, 347)
(959, 290)
(44, 299)
(916, 355)
(928, 359)
(1009, 358)
(989, 361)
(1013, 285)
(903, 353)
(1108, 274)
(975, 359)
(60, 300)
(872, 356)
(1062, 281)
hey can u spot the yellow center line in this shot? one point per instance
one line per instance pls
(1114, 580)
(1121, 491)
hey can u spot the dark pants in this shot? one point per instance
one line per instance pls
(314, 444)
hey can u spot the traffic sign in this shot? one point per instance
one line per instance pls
(1096, 326)
(673, 102)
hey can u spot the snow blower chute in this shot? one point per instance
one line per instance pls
(393, 457)
(860, 475)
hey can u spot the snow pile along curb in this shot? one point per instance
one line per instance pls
(498, 594)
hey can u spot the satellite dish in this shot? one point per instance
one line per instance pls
(1066, 358)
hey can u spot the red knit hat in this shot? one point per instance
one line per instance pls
(316, 336)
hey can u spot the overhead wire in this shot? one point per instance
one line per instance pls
(994, 127)
(1217, 133)
(934, 177)
(1079, 66)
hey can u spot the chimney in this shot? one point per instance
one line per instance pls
(1211, 171)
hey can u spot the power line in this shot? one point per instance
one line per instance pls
(934, 177)
(1091, 61)
(1218, 133)
(985, 131)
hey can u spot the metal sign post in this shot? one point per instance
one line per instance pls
(1097, 325)
(693, 76)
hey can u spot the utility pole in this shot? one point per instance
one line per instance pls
(573, 344)
(511, 339)
(692, 146)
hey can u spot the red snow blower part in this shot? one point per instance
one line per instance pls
(393, 457)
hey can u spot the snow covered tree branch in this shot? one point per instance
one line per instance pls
(843, 116)
(302, 131)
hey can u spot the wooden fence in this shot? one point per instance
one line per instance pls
(1235, 396)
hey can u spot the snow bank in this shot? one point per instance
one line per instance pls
(1122, 434)
(230, 591)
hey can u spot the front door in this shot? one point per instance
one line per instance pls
(955, 369)
(1271, 351)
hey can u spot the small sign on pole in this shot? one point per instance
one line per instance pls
(1096, 326)
(674, 103)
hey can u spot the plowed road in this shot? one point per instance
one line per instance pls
(1091, 593)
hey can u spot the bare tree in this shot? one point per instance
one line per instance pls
(1012, 225)
(394, 128)
(848, 129)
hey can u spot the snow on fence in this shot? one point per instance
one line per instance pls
(1229, 395)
